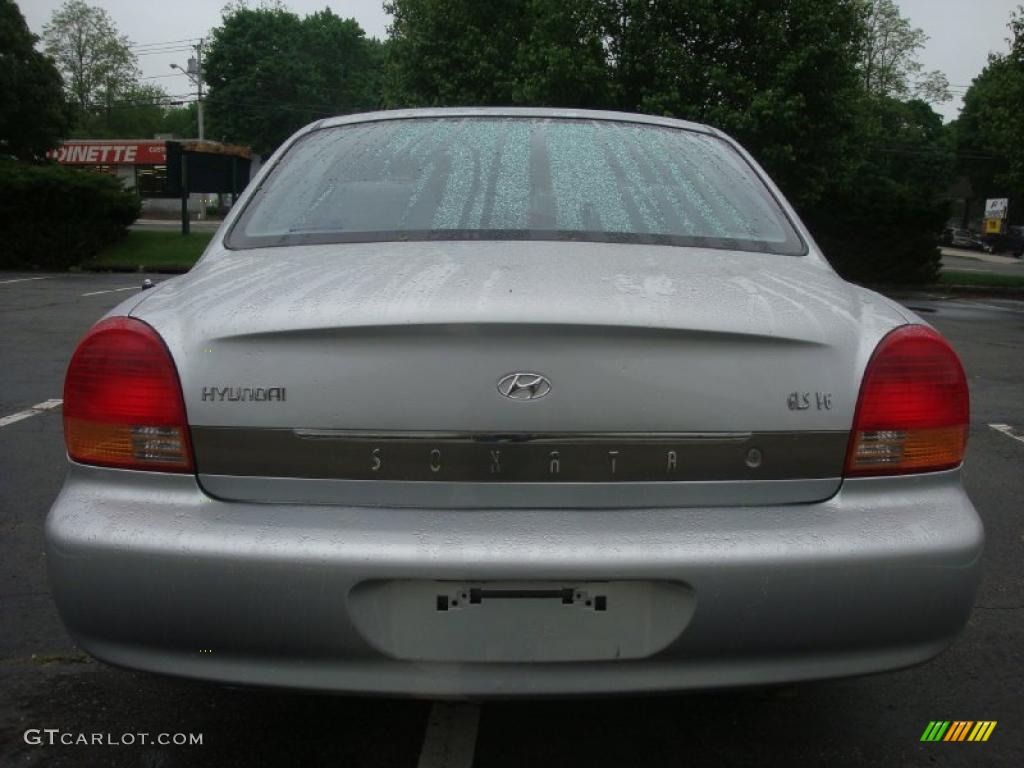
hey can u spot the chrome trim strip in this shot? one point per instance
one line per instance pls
(518, 459)
(522, 437)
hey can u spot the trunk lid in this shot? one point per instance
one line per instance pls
(380, 373)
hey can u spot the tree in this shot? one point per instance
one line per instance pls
(756, 70)
(880, 223)
(270, 72)
(182, 122)
(810, 87)
(780, 77)
(496, 52)
(990, 131)
(96, 61)
(34, 116)
(138, 112)
(889, 62)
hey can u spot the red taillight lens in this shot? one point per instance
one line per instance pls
(913, 410)
(122, 400)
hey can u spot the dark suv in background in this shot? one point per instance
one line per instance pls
(1010, 242)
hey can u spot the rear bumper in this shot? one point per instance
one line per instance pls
(148, 572)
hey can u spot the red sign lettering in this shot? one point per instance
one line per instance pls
(110, 153)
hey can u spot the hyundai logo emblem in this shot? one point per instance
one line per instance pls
(524, 386)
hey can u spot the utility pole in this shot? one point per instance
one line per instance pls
(199, 86)
(194, 71)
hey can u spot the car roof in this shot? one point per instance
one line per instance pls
(565, 114)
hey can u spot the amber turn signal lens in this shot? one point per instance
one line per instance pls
(913, 410)
(123, 405)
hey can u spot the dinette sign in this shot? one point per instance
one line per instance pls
(114, 152)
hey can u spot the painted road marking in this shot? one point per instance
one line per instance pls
(450, 739)
(35, 410)
(25, 279)
(1009, 431)
(113, 290)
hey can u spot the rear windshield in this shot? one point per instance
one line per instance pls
(514, 178)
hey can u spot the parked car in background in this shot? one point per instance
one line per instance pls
(1012, 241)
(513, 402)
(956, 237)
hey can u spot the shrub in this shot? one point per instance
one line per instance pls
(54, 217)
(884, 234)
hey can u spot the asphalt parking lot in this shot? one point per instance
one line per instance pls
(46, 683)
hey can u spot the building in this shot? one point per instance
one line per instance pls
(142, 165)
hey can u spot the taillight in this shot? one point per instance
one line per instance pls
(913, 410)
(122, 400)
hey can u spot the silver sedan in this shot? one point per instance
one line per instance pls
(494, 402)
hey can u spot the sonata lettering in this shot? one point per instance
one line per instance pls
(491, 461)
(613, 455)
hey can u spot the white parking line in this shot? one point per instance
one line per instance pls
(450, 739)
(1009, 431)
(25, 279)
(35, 410)
(112, 290)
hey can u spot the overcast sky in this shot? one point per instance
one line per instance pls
(961, 32)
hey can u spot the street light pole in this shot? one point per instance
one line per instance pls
(195, 74)
(199, 87)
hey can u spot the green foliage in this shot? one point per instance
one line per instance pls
(986, 279)
(95, 59)
(84, 211)
(166, 251)
(478, 52)
(990, 130)
(183, 122)
(880, 223)
(889, 62)
(138, 113)
(101, 75)
(788, 78)
(780, 77)
(270, 72)
(33, 116)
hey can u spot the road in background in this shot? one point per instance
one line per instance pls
(45, 682)
(960, 260)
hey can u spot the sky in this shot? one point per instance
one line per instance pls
(961, 32)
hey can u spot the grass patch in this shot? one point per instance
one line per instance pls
(953, 277)
(164, 250)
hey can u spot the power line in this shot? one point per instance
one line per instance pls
(164, 51)
(164, 42)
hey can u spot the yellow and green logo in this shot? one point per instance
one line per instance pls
(958, 730)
